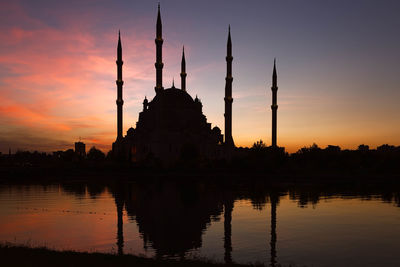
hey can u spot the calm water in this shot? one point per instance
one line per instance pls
(303, 226)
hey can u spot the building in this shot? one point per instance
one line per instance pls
(80, 149)
(172, 125)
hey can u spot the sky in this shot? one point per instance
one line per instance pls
(338, 65)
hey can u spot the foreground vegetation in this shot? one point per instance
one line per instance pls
(25, 256)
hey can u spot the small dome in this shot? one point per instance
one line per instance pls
(130, 131)
(216, 129)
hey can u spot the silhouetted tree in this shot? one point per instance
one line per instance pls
(95, 154)
(363, 148)
(68, 155)
(386, 148)
(332, 149)
(258, 150)
(311, 149)
(110, 155)
(259, 146)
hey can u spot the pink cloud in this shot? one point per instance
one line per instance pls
(61, 81)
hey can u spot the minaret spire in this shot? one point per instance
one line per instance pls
(119, 82)
(183, 70)
(229, 44)
(228, 94)
(159, 24)
(274, 76)
(159, 64)
(274, 106)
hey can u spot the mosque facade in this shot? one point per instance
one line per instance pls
(172, 125)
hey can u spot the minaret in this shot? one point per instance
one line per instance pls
(274, 105)
(119, 82)
(228, 94)
(183, 71)
(159, 65)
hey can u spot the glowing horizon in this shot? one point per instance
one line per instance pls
(337, 71)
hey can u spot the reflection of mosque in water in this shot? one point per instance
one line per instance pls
(173, 216)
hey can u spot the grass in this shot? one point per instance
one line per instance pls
(17, 255)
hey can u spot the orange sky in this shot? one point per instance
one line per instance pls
(57, 72)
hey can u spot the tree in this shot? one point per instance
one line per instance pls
(259, 146)
(311, 149)
(95, 154)
(363, 148)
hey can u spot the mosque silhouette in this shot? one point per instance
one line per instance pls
(172, 125)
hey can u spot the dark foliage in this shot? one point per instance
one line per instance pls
(260, 159)
(95, 154)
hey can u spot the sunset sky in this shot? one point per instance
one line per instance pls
(338, 66)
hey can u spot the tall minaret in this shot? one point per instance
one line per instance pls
(119, 82)
(274, 105)
(183, 71)
(159, 65)
(228, 94)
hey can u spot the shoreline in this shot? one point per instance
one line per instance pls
(19, 255)
(50, 175)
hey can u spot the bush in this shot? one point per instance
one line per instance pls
(95, 154)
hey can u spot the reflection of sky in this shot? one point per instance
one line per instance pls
(334, 232)
(338, 64)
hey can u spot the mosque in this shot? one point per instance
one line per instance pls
(172, 125)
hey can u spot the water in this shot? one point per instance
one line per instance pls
(286, 225)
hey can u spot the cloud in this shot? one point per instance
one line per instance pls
(60, 81)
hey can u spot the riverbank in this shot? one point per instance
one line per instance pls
(48, 173)
(12, 255)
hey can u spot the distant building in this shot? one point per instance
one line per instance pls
(172, 125)
(80, 149)
(58, 154)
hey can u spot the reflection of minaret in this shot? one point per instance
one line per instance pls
(228, 207)
(228, 94)
(274, 105)
(119, 82)
(274, 201)
(183, 71)
(159, 64)
(120, 234)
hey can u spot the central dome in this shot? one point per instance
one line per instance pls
(173, 97)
